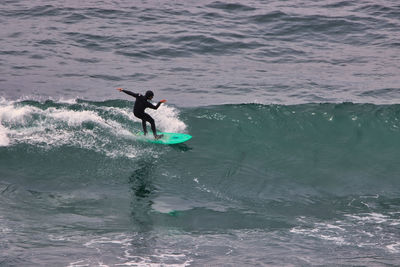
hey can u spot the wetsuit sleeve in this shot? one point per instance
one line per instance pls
(150, 105)
(130, 93)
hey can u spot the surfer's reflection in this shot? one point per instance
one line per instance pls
(143, 193)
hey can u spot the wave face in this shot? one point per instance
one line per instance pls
(254, 178)
(334, 149)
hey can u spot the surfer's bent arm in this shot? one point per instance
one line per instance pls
(130, 93)
(150, 105)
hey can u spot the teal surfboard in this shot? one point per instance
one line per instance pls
(167, 139)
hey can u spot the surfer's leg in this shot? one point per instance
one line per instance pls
(148, 118)
(144, 127)
(143, 118)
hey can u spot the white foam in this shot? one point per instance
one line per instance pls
(322, 231)
(75, 118)
(67, 101)
(126, 112)
(373, 230)
(370, 217)
(11, 114)
(4, 140)
(58, 126)
(123, 244)
(330, 226)
(32, 125)
(166, 118)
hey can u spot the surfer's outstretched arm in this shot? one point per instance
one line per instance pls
(128, 92)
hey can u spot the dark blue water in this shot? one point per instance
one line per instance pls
(294, 111)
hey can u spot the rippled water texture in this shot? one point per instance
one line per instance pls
(203, 52)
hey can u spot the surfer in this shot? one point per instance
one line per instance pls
(141, 103)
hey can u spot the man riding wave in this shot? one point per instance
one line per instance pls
(141, 103)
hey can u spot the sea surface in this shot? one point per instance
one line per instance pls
(294, 109)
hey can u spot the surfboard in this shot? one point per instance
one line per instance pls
(167, 139)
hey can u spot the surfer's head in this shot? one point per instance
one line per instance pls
(149, 94)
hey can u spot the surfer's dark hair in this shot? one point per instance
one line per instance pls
(149, 94)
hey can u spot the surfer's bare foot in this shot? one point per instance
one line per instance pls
(158, 136)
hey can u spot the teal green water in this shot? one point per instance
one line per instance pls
(255, 181)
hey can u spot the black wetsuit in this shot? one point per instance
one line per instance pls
(141, 104)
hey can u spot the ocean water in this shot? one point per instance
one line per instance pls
(295, 116)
